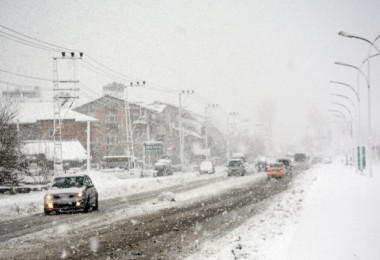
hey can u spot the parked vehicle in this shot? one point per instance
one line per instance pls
(163, 168)
(125, 162)
(72, 192)
(276, 170)
(236, 167)
(206, 167)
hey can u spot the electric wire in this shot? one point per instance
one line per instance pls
(25, 76)
(110, 69)
(25, 42)
(19, 85)
(101, 72)
(35, 39)
(52, 47)
(126, 78)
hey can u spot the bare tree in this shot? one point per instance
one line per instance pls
(10, 155)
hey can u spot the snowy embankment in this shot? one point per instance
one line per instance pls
(330, 212)
(108, 184)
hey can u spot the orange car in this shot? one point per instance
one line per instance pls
(276, 170)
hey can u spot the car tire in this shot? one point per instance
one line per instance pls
(47, 212)
(87, 206)
(96, 207)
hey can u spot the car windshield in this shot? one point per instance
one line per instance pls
(285, 162)
(68, 182)
(276, 166)
(234, 163)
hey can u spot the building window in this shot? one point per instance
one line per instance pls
(112, 137)
(111, 116)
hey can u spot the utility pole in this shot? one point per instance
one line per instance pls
(181, 137)
(209, 106)
(88, 146)
(128, 124)
(230, 114)
(62, 94)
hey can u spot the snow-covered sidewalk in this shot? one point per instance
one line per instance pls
(330, 212)
(341, 218)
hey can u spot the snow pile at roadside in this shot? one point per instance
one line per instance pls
(330, 212)
(260, 234)
(108, 184)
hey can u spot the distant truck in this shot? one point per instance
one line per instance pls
(300, 157)
(236, 167)
(301, 161)
(261, 164)
(240, 156)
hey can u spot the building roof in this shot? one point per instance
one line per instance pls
(31, 112)
(188, 132)
(71, 150)
(155, 107)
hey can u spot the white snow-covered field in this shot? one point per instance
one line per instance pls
(331, 212)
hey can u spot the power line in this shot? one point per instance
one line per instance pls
(101, 72)
(36, 45)
(85, 87)
(16, 84)
(110, 69)
(26, 42)
(25, 76)
(104, 73)
(35, 39)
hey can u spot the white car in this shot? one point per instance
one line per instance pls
(206, 167)
(71, 192)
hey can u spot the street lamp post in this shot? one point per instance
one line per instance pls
(230, 114)
(341, 115)
(372, 45)
(347, 98)
(354, 117)
(209, 106)
(181, 137)
(369, 111)
(358, 114)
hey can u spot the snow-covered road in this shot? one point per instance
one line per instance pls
(331, 212)
(327, 212)
(217, 197)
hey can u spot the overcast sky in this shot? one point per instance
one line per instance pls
(237, 54)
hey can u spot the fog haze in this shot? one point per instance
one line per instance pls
(239, 54)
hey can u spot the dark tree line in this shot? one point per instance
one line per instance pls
(10, 155)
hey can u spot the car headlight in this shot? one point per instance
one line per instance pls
(49, 197)
(79, 194)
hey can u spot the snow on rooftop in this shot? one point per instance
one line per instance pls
(188, 132)
(157, 107)
(71, 150)
(31, 112)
